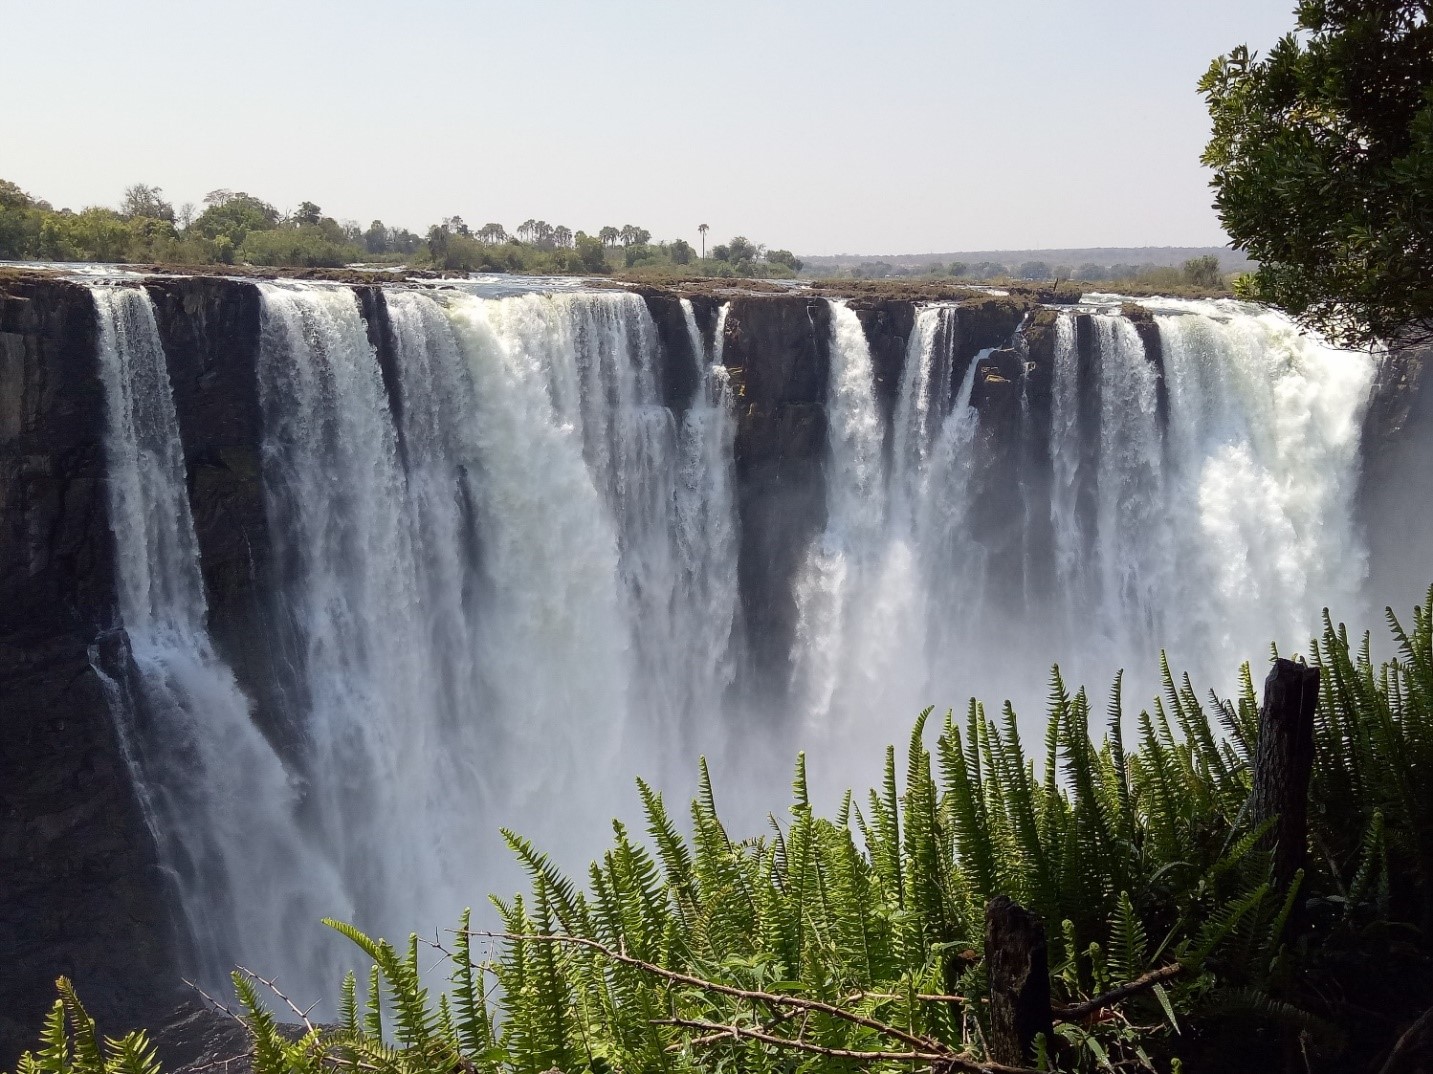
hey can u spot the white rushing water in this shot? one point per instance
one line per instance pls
(706, 537)
(217, 795)
(1230, 527)
(833, 586)
(508, 573)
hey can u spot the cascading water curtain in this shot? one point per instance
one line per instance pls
(1210, 532)
(508, 573)
(223, 808)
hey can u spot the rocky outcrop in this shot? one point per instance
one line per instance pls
(80, 890)
(679, 376)
(1396, 483)
(777, 349)
(887, 324)
(374, 308)
(210, 331)
(778, 352)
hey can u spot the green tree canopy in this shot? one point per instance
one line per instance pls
(1203, 271)
(632, 235)
(375, 239)
(742, 249)
(307, 213)
(143, 200)
(1323, 167)
(590, 253)
(232, 216)
(784, 257)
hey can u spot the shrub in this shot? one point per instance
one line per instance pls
(306, 245)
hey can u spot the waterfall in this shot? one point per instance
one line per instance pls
(251, 887)
(505, 568)
(1066, 448)
(1263, 447)
(506, 571)
(378, 752)
(1131, 550)
(706, 528)
(1208, 531)
(838, 567)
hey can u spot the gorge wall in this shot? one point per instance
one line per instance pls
(431, 527)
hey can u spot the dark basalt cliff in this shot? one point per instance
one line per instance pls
(778, 355)
(80, 889)
(1396, 490)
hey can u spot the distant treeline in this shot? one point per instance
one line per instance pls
(1201, 272)
(234, 227)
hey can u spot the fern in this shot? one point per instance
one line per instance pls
(1138, 846)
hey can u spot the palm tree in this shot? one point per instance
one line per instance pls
(703, 229)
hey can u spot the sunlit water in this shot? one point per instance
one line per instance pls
(511, 585)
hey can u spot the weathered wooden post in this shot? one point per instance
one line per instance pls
(1018, 967)
(1284, 763)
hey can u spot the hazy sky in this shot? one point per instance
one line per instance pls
(875, 126)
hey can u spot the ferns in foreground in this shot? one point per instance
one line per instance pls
(857, 940)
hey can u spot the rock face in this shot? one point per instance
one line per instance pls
(778, 352)
(1396, 491)
(210, 331)
(80, 890)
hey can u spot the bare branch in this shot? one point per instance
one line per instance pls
(944, 1059)
(1414, 1042)
(214, 1002)
(274, 988)
(1079, 1011)
(922, 1044)
(716, 1032)
(219, 1063)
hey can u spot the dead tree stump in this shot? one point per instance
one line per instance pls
(1284, 762)
(1018, 967)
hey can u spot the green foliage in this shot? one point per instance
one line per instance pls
(307, 245)
(784, 257)
(590, 253)
(1203, 271)
(232, 216)
(1323, 166)
(236, 227)
(70, 1043)
(143, 200)
(861, 935)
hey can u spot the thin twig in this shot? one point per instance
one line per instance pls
(1079, 1011)
(219, 1063)
(717, 1032)
(943, 1058)
(921, 997)
(274, 988)
(1414, 1037)
(923, 1044)
(216, 1004)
